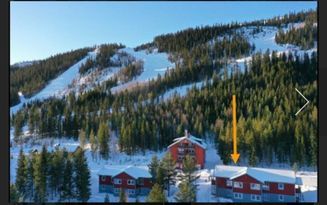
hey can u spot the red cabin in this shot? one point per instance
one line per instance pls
(188, 145)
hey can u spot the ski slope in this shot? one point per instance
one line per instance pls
(154, 64)
(263, 41)
(57, 85)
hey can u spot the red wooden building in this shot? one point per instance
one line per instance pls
(249, 184)
(188, 145)
(134, 180)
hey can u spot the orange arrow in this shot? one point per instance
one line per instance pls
(235, 155)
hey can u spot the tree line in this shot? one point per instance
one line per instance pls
(164, 175)
(189, 38)
(32, 78)
(304, 37)
(58, 175)
(146, 122)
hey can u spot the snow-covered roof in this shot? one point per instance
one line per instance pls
(192, 139)
(261, 174)
(133, 171)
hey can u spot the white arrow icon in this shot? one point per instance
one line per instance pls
(304, 104)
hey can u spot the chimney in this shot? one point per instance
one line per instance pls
(186, 133)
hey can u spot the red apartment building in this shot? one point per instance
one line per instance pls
(249, 184)
(188, 145)
(134, 180)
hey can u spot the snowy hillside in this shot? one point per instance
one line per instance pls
(57, 86)
(263, 41)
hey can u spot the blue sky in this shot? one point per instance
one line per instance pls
(41, 29)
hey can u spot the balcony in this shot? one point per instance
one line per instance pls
(186, 145)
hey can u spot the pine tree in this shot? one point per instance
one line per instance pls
(185, 193)
(156, 195)
(21, 175)
(82, 176)
(68, 183)
(14, 195)
(188, 176)
(188, 170)
(30, 176)
(18, 124)
(106, 198)
(153, 167)
(168, 164)
(40, 176)
(56, 170)
(94, 144)
(82, 138)
(160, 176)
(122, 196)
(103, 136)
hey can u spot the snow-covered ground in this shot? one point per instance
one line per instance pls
(263, 40)
(154, 64)
(57, 85)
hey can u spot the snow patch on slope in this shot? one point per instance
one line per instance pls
(56, 86)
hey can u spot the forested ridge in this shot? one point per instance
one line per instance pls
(268, 130)
(32, 78)
(305, 36)
(189, 38)
(267, 127)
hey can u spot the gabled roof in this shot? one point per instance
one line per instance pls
(192, 139)
(261, 174)
(133, 171)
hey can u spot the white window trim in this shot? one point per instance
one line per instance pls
(103, 178)
(255, 197)
(281, 186)
(265, 187)
(281, 197)
(229, 183)
(239, 186)
(238, 195)
(117, 181)
(255, 186)
(131, 191)
(131, 182)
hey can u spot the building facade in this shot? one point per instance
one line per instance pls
(131, 179)
(243, 184)
(188, 145)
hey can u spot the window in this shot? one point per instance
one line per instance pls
(117, 181)
(255, 186)
(280, 186)
(280, 197)
(238, 196)
(265, 187)
(255, 197)
(103, 178)
(131, 191)
(131, 182)
(238, 185)
(141, 181)
(229, 183)
(116, 190)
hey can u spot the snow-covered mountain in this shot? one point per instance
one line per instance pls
(155, 64)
